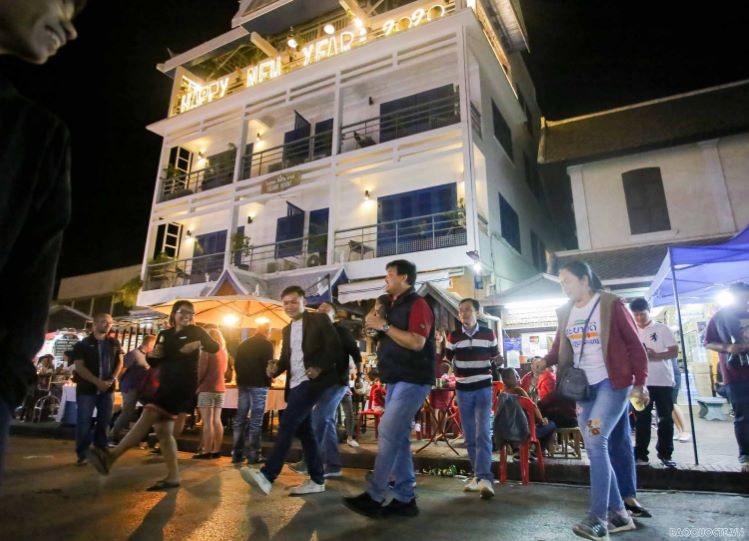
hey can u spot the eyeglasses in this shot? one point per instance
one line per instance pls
(186, 313)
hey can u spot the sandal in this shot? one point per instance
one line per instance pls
(162, 485)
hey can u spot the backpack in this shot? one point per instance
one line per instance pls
(510, 422)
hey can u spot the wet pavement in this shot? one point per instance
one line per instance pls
(47, 497)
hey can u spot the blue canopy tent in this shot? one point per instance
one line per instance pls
(696, 274)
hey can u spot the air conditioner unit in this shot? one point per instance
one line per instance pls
(313, 260)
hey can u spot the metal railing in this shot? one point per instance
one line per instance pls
(429, 232)
(287, 155)
(402, 123)
(180, 272)
(174, 186)
(302, 252)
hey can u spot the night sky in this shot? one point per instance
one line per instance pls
(585, 56)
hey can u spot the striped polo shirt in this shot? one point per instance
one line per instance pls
(471, 355)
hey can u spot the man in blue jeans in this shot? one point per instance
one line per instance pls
(405, 361)
(472, 350)
(308, 355)
(251, 364)
(98, 361)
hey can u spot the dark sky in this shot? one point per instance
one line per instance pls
(585, 56)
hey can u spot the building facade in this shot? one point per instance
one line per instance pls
(317, 141)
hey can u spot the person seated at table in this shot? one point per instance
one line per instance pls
(538, 383)
(544, 428)
(45, 365)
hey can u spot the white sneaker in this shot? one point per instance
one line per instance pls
(255, 478)
(417, 427)
(486, 489)
(472, 485)
(685, 437)
(308, 487)
(351, 442)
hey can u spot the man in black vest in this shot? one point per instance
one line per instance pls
(405, 361)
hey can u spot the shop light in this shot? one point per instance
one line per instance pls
(358, 23)
(262, 320)
(477, 267)
(329, 29)
(292, 42)
(725, 298)
(231, 320)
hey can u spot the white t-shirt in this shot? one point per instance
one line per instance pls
(659, 338)
(592, 362)
(298, 372)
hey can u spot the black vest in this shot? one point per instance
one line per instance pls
(396, 363)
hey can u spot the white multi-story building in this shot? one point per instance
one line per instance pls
(315, 139)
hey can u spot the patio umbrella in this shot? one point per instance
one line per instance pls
(233, 311)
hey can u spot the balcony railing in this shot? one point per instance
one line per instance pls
(430, 232)
(196, 270)
(287, 155)
(402, 123)
(476, 119)
(298, 253)
(174, 186)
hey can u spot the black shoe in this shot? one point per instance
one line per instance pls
(216, 455)
(156, 451)
(401, 509)
(364, 505)
(637, 511)
(81, 461)
(236, 459)
(257, 459)
(670, 464)
(202, 456)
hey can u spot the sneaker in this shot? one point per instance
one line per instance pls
(486, 489)
(685, 437)
(333, 473)
(308, 487)
(417, 427)
(351, 442)
(100, 459)
(618, 523)
(591, 528)
(637, 511)
(299, 467)
(472, 485)
(641, 462)
(81, 461)
(255, 478)
(743, 459)
(111, 444)
(670, 464)
(401, 509)
(364, 505)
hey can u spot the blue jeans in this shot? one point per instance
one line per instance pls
(87, 403)
(476, 417)
(603, 423)
(738, 395)
(246, 433)
(324, 425)
(295, 421)
(394, 458)
(4, 435)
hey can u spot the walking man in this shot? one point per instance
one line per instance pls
(472, 349)
(251, 365)
(308, 355)
(661, 347)
(405, 361)
(98, 361)
(135, 370)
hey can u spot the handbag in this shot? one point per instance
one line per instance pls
(149, 386)
(573, 384)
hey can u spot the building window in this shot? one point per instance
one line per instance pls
(168, 237)
(532, 178)
(418, 113)
(527, 111)
(502, 131)
(290, 232)
(510, 223)
(538, 248)
(646, 200)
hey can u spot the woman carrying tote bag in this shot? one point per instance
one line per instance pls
(597, 335)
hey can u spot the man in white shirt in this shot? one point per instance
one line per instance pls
(661, 346)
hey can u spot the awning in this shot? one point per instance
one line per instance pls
(371, 289)
(449, 301)
(233, 310)
(540, 287)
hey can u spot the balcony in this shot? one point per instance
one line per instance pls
(407, 121)
(303, 252)
(288, 155)
(196, 270)
(430, 232)
(175, 184)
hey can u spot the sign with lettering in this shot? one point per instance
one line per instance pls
(281, 182)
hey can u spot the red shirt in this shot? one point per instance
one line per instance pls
(420, 319)
(547, 382)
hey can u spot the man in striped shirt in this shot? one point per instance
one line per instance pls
(472, 349)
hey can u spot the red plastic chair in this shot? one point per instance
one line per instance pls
(529, 409)
(369, 411)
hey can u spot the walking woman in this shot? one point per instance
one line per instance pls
(174, 381)
(211, 388)
(597, 334)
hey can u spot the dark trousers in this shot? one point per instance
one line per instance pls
(296, 422)
(738, 395)
(664, 406)
(84, 435)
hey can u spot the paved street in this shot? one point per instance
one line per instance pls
(47, 497)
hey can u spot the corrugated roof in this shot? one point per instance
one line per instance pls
(695, 116)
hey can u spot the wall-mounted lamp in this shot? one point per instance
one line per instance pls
(367, 195)
(371, 101)
(358, 23)
(188, 233)
(249, 219)
(329, 29)
(258, 137)
(291, 42)
(201, 156)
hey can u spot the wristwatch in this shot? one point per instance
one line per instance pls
(385, 328)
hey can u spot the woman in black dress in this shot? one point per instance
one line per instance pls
(170, 392)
